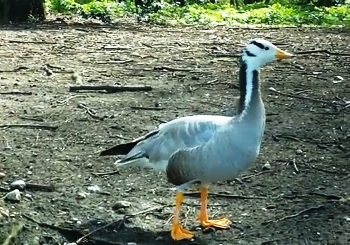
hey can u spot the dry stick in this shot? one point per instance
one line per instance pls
(31, 42)
(89, 111)
(295, 166)
(16, 69)
(305, 98)
(295, 215)
(127, 216)
(110, 89)
(322, 51)
(42, 187)
(167, 68)
(115, 62)
(106, 173)
(196, 193)
(146, 108)
(254, 175)
(32, 126)
(17, 92)
(14, 232)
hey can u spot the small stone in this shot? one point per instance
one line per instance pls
(7, 148)
(159, 238)
(131, 243)
(266, 166)
(81, 195)
(28, 196)
(2, 175)
(18, 184)
(14, 196)
(338, 79)
(299, 151)
(4, 213)
(121, 204)
(94, 188)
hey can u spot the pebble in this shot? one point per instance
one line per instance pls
(18, 184)
(131, 243)
(14, 196)
(4, 212)
(2, 175)
(81, 195)
(94, 188)
(28, 196)
(159, 238)
(121, 204)
(266, 166)
(299, 151)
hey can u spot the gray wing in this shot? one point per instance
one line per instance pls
(186, 132)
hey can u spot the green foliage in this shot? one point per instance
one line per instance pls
(63, 6)
(278, 12)
(259, 13)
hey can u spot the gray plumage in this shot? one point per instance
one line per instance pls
(208, 148)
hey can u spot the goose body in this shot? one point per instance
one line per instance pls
(207, 148)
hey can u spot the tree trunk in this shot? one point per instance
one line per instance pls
(21, 10)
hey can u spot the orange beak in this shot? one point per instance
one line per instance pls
(280, 54)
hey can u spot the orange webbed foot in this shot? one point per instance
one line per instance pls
(223, 223)
(180, 233)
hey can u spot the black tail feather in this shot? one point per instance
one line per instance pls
(121, 149)
(125, 148)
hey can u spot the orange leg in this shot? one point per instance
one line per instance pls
(203, 216)
(177, 231)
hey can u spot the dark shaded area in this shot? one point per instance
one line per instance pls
(20, 10)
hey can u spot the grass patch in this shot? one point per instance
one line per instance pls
(279, 13)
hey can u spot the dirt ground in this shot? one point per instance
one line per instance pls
(297, 193)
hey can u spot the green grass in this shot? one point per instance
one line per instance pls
(280, 13)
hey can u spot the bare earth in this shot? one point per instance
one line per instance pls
(297, 193)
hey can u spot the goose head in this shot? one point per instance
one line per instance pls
(259, 52)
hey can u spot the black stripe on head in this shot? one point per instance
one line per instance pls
(250, 54)
(260, 45)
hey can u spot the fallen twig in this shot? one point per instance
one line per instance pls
(295, 166)
(322, 51)
(31, 42)
(295, 215)
(35, 186)
(168, 68)
(307, 98)
(146, 108)
(16, 229)
(31, 119)
(106, 173)
(90, 111)
(69, 98)
(110, 89)
(304, 139)
(196, 193)
(16, 92)
(16, 69)
(32, 126)
(115, 62)
(127, 216)
(254, 175)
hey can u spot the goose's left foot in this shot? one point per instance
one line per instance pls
(203, 215)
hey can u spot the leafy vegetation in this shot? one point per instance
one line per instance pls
(284, 12)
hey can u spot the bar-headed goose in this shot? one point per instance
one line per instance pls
(207, 148)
